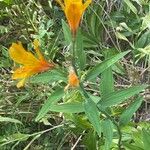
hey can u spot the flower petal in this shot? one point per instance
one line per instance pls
(36, 48)
(22, 72)
(20, 55)
(43, 66)
(27, 71)
(21, 83)
(73, 12)
(67, 2)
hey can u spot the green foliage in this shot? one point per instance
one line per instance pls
(95, 71)
(90, 140)
(73, 107)
(50, 77)
(108, 133)
(111, 57)
(146, 138)
(7, 119)
(93, 115)
(80, 53)
(128, 113)
(131, 6)
(120, 96)
(67, 33)
(56, 96)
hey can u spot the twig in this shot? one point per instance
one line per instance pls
(74, 146)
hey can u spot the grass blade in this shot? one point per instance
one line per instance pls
(7, 119)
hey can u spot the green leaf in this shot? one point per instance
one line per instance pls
(7, 119)
(120, 96)
(118, 68)
(67, 33)
(93, 115)
(90, 140)
(49, 77)
(144, 40)
(146, 139)
(73, 107)
(146, 22)
(136, 135)
(128, 113)
(121, 36)
(94, 98)
(93, 23)
(131, 146)
(81, 56)
(94, 72)
(131, 6)
(14, 138)
(107, 82)
(54, 97)
(126, 27)
(89, 40)
(108, 133)
(80, 121)
(8, 2)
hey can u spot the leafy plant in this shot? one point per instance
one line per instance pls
(98, 87)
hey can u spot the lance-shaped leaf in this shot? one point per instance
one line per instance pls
(7, 119)
(49, 77)
(53, 98)
(128, 113)
(73, 107)
(146, 139)
(107, 127)
(94, 72)
(92, 113)
(67, 33)
(131, 6)
(120, 96)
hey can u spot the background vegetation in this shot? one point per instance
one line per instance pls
(108, 28)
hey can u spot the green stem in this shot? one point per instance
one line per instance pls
(81, 86)
(73, 55)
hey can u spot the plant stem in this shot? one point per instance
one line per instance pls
(88, 98)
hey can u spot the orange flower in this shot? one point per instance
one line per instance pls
(73, 80)
(31, 64)
(73, 10)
